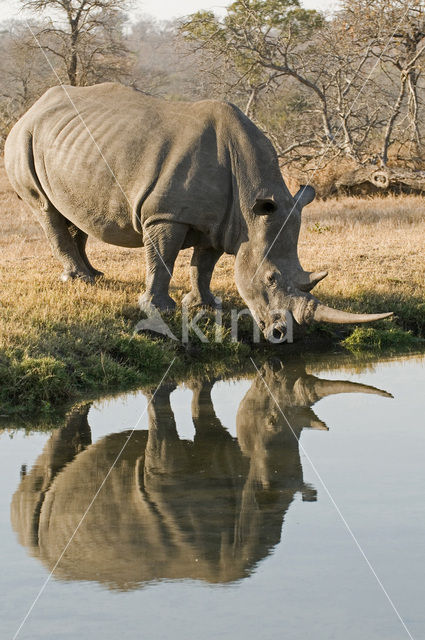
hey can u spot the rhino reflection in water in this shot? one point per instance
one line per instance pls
(210, 509)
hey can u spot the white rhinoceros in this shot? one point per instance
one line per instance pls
(132, 170)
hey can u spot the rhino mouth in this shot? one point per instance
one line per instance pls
(277, 333)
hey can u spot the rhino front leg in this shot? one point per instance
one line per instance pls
(64, 247)
(206, 423)
(162, 242)
(201, 270)
(164, 452)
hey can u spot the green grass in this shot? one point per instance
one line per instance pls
(57, 363)
(377, 339)
(408, 309)
(61, 362)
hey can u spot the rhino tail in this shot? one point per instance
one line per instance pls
(20, 168)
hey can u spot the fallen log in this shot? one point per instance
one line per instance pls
(371, 180)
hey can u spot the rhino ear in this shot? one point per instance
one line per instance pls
(305, 195)
(264, 206)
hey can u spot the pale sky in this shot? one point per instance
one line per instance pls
(167, 9)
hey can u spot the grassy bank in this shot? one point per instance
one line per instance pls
(341, 364)
(60, 341)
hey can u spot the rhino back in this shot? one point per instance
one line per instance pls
(107, 157)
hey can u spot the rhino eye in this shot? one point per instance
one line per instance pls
(271, 279)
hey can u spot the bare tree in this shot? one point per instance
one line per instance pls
(24, 75)
(319, 64)
(398, 28)
(242, 50)
(351, 83)
(85, 36)
(236, 46)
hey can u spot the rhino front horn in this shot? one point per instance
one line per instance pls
(322, 313)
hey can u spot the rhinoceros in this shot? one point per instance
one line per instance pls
(133, 170)
(170, 508)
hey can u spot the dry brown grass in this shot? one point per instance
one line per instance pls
(373, 248)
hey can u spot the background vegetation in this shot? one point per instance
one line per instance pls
(334, 93)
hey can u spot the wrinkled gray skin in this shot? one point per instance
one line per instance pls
(133, 170)
(210, 509)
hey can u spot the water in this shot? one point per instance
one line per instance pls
(236, 509)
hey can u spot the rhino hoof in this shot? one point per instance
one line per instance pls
(192, 300)
(73, 275)
(161, 303)
(96, 274)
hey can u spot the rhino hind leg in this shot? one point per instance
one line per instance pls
(201, 270)
(80, 239)
(64, 247)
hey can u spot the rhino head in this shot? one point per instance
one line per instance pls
(268, 273)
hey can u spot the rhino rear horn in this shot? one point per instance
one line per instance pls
(311, 280)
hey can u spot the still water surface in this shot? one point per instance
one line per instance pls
(235, 509)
